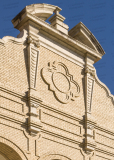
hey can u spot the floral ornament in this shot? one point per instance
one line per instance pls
(57, 76)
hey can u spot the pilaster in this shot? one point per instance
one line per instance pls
(34, 124)
(89, 119)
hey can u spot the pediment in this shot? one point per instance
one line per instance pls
(81, 33)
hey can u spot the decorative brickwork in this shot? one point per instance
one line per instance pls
(52, 105)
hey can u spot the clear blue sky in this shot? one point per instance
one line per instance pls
(97, 15)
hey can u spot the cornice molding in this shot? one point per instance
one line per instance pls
(99, 149)
(104, 129)
(43, 26)
(72, 56)
(12, 91)
(63, 130)
(61, 137)
(50, 107)
(10, 117)
(80, 28)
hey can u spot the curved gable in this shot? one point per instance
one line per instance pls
(103, 105)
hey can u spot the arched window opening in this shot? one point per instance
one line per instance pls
(2, 157)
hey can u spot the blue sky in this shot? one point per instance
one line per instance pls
(98, 16)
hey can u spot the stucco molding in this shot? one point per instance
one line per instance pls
(10, 124)
(72, 140)
(105, 151)
(104, 129)
(87, 156)
(60, 82)
(56, 48)
(69, 41)
(36, 42)
(10, 90)
(22, 38)
(12, 117)
(33, 55)
(75, 129)
(83, 34)
(34, 122)
(89, 85)
(90, 122)
(51, 107)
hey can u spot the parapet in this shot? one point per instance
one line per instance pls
(43, 11)
(32, 18)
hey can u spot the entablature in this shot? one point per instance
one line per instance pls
(79, 38)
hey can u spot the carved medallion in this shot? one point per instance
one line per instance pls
(57, 76)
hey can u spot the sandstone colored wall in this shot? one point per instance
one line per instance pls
(61, 134)
(63, 126)
(77, 106)
(103, 107)
(62, 131)
(13, 66)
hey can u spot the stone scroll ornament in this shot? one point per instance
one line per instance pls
(57, 76)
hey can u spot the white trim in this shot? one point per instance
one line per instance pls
(62, 51)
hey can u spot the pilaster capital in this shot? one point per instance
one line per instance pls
(90, 71)
(34, 41)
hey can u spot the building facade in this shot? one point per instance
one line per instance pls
(52, 105)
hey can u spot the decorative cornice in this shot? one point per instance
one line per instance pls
(12, 91)
(11, 117)
(69, 41)
(101, 150)
(55, 47)
(61, 137)
(80, 28)
(52, 108)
